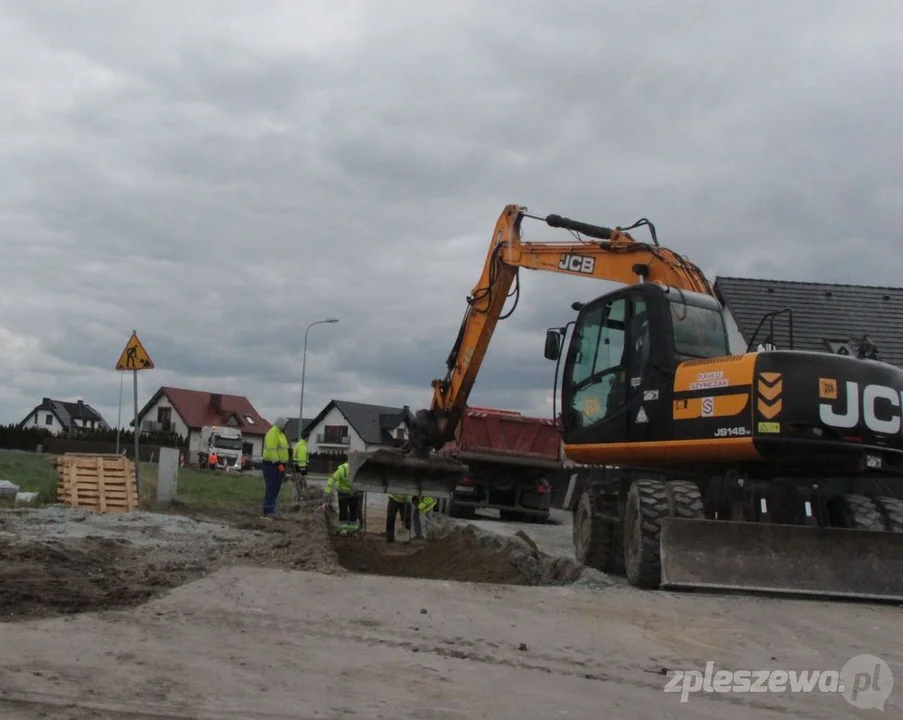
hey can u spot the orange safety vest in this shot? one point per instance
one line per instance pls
(212, 459)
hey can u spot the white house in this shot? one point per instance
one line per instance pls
(342, 426)
(186, 411)
(59, 416)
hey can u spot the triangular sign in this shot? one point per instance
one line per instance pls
(134, 356)
(641, 416)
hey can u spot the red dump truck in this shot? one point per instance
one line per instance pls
(510, 457)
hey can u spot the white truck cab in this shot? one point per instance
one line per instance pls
(225, 442)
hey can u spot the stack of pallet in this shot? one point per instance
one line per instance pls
(105, 483)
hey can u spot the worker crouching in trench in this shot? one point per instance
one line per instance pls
(349, 500)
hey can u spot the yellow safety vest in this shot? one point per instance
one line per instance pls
(301, 453)
(340, 480)
(426, 504)
(400, 498)
(275, 446)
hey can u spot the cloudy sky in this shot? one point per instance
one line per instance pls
(218, 174)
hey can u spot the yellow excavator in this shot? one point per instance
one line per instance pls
(774, 471)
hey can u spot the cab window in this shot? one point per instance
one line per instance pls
(698, 332)
(596, 371)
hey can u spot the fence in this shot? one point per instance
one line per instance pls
(148, 453)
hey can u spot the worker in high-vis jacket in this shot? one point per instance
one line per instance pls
(299, 460)
(349, 500)
(275, 458)
(424, 506)
(398, 504)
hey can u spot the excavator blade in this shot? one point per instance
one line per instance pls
(387, 471)
(784, 559)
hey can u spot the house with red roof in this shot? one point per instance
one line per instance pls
(185, 412)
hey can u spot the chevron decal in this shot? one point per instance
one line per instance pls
(769, 389)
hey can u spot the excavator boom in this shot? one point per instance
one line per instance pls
(594, 251)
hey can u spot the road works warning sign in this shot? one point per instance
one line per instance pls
(134, 356)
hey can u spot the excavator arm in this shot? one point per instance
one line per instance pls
(611, 254)
(595, 252)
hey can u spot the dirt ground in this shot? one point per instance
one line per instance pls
(59, 560)
(217, 614)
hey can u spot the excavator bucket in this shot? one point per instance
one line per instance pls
(387, 471)
(784, 559)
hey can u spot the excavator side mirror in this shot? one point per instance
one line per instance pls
(553, 344)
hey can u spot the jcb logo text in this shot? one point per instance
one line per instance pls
(577, 263)
(881, 418)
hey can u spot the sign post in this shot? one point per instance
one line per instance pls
(134, 357)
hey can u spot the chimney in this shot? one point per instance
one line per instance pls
(81, 408)
(45, 401)
(216, 401)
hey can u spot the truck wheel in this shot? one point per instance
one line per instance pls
(592, 535)
(891, 510)
(647, 505)
(855, 511)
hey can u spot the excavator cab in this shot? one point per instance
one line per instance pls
(619, 367)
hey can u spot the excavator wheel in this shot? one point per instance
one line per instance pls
(647, 506)
(855, 511)
(684, 500)
(592, 535)
(891, 510)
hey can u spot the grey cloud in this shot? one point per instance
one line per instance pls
(218, 177)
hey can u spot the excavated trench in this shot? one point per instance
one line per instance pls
(457, 553)
(57, 560)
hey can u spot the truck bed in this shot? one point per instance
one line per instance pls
(505, 437)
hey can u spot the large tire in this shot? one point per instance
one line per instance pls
(684, 500)
(891, 510)
(647, 505)
(592, 535)
(858, 512)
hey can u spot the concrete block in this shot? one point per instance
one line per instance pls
(168, 475)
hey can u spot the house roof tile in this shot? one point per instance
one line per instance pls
(374, 423)
(821, 313)
(67, 412)
(196, 408)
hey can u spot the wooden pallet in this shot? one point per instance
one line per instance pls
(105, 483)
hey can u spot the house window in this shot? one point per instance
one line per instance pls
(335, 434)
(249, 420)
(48, 419)
(399, 434)
(164, 415)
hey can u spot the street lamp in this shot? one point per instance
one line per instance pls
(303, 368)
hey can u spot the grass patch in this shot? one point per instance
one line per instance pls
(31, 472)
(37, 473)
(210, 489)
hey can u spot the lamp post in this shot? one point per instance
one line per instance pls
(303, 368)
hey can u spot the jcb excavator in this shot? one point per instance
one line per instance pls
(700, 469)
